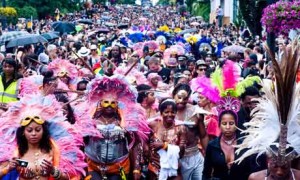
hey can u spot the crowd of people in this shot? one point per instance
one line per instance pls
(148, 93)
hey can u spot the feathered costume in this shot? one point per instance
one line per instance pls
(112, 150)
(65, 139)
(227, 80)
(126, 94)
(223, 88)
(275, 127)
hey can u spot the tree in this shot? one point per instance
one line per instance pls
(201, 9)
(47, 7)
(252, 13)
(27, 12)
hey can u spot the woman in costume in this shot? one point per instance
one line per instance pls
(193, 118)
(123, 126)
(220, 153)
(274, 129)
(208, 96)
(167, 143)
(38, 143)
(66, 72)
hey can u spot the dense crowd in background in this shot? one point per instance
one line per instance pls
(140, 87)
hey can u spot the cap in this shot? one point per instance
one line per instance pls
(201, 62)
(93, 47)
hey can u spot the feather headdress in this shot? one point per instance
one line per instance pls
(275, 126)
(135, 77)
(227, 80)
(116, 86)
(62, 67)
(204, 86)
(66, 138)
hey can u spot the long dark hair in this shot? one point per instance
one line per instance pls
(44, 145)
(13, 63)
(48, 77)
(180, 87)
(61, 97)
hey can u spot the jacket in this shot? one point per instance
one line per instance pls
(215, 164)
(10, 93)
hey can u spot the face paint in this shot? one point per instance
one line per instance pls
(181, 99)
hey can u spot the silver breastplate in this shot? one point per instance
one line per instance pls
(109, 149)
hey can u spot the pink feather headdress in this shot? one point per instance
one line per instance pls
(134, 75)
(116, 86)
(204, 86)
(227, 80)
(63, 67)
(66, 137)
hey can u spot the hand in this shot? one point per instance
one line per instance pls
(156, 145)
(47, 168)
(12, 164)
(26, 173)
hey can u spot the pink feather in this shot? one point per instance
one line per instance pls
(230, 75)
(61, 65)
(204, 86)
(135, 121)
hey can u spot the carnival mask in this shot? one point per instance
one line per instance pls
(107, 103)
(29, 119)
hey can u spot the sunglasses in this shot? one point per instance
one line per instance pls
(29, 119)
(112, 104)
(202, 69)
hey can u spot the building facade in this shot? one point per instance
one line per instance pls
(230, 9)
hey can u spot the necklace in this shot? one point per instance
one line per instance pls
(107, 120)
(229, 142)
(166, 133)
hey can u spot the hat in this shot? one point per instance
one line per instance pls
(201, 62)
(43, 58)
(93, 47)
(83, 52)
(182, 58)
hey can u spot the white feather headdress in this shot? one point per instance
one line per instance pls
(275, 125)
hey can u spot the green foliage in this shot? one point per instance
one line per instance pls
(251, 11)
(201, 9)
(27, 12)
(238, 22)
(163, 2)
(126, 1)
(45, 7)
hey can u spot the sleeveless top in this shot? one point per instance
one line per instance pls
(113, 147)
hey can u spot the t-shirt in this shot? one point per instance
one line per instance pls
(165, 75)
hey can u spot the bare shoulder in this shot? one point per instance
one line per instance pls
(260, 175)
(296, 173)
(154, 124)
(181, 128)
